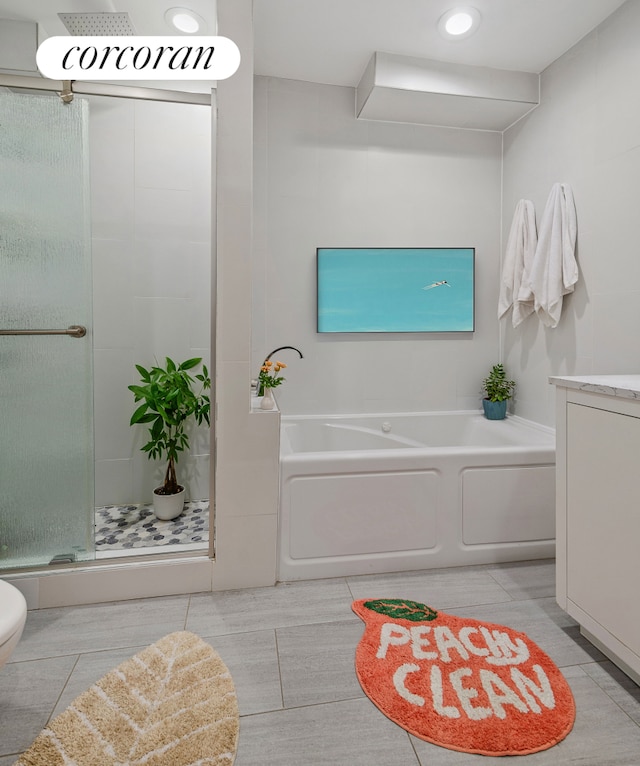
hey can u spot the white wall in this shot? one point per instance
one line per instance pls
(323, 178)
(151, 242)
(586, 132)
(246, 453)
(18, 46)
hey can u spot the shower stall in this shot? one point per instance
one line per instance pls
(105, 262)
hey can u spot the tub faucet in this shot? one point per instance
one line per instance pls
(259, 390)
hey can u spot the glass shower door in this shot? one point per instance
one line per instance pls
(46, 399)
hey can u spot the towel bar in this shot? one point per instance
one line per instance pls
(75, 331)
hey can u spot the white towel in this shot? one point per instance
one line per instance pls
(555, 271)
(518, 260)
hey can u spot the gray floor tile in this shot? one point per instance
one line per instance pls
(437, 588)
(602, 736)
(526, 579)
(352, 733)
(77, 629)
(297, 603)
(301, 638)
(90, 668)
(28, 693)
(252, 659)
(317, 663)
(622, 690)
(545, 623)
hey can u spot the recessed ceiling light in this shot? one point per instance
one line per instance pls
(185, 20)
(458, 23)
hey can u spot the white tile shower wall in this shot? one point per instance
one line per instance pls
(247, 443)
(586, 132)
(323, 178)
(151, 192)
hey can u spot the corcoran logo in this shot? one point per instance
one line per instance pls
(138, 58)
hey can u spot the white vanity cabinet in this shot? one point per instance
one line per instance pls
(598, 511)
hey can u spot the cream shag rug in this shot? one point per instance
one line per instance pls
(172, 704)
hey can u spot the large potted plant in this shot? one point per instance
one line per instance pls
(169, 405)
(498, 390)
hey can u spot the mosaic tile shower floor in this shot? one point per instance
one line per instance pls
(124, 527)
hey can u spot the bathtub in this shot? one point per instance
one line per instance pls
(384, 493)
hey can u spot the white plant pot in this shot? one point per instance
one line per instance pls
(166, 507)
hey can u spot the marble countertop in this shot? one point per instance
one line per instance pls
(625, 386)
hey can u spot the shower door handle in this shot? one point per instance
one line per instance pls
(75, 331)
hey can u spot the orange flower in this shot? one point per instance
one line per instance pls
(269, 374)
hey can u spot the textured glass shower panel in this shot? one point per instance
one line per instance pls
(46, 438)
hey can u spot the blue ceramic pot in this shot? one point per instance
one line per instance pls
(495, 410)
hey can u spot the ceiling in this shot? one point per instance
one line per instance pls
(331, 41)
(147, 16)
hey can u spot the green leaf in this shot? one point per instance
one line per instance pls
(190, 363)
(171, 365)
(139, 391)
(147, 418)
(156, 428)
(144, 374)
(402, 609)
(166, 415)
(138, 414)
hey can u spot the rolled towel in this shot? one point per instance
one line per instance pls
(555, 271)
(518, 259)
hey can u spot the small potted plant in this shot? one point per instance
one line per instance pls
(268, 379)
(498, 391)
(170, 403)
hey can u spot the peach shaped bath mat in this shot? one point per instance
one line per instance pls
(466, 685)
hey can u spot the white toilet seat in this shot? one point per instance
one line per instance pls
(13, 614)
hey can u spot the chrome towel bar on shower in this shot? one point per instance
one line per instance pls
(75, 331)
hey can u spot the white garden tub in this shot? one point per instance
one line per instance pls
(383, 493)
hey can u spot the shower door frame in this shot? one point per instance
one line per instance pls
(82, 88)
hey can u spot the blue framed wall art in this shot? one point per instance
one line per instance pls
(395, 289)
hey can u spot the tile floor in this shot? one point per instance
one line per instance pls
(121, 528)
(290, 650)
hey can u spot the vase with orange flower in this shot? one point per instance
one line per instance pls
(268, 379)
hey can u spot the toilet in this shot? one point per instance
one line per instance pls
(13, 614)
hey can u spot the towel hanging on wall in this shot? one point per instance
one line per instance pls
(555, 271)
(518, 259)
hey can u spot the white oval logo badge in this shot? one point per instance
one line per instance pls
(138, 58)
